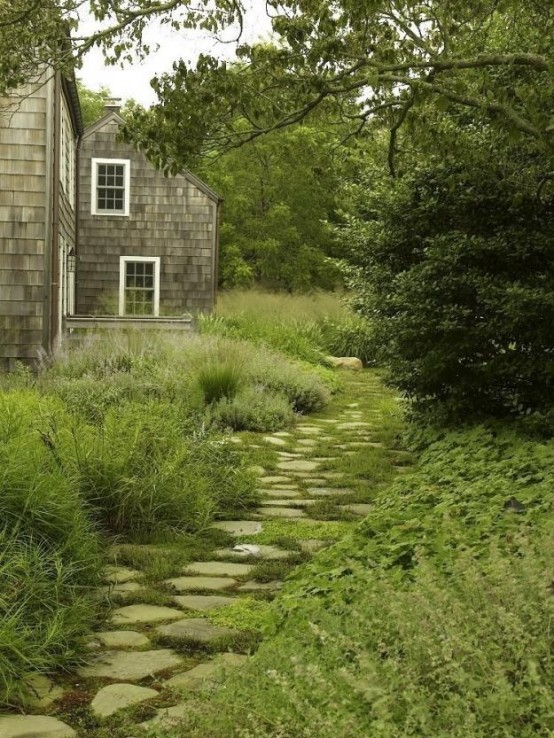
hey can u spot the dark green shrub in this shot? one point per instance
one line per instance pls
(458, 266)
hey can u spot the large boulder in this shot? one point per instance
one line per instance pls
(345, 362)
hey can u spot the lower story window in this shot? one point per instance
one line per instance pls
(139, 285)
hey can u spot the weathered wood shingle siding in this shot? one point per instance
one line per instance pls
(169, 217)
(24, 213)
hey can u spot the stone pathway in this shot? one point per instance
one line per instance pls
(149, 653)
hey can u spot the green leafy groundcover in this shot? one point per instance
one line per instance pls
(432, 619)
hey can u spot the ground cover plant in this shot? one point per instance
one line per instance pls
(431, 618)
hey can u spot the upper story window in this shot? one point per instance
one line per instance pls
(67, 154)
(110, 186)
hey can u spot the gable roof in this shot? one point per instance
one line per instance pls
(112, 117)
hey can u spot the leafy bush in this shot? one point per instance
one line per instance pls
(460, 270)
(253, 409)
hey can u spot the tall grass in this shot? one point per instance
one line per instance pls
(306, 327)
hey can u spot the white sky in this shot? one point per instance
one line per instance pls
(133, 81)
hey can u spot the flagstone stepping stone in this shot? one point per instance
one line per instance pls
(353, 404)
(277, 479)
(215, 584)
(332, 421)
(257, 550)
(144, 614)
(168, 717)
(358, 508)
(122, 590)
(282, 434)
(313, 545)
(120, 574)
(239, 527)
(274, 441)
(116, 697)
(280, 512)
(283, 486)
(307, 442)
(130, 665)
(34, 726)
(288, 455)
(203, 603)
(218, 569)
(353, 424)
(285, 503)
(298, 466)
(254, 586)
(329, 491)
(285, 493)
(119, 639)
(308, 429)
(210, 672)
(41, 691)
(195, 629)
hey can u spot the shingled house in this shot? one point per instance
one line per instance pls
(88, 227)
(147, 243)
(39, 130)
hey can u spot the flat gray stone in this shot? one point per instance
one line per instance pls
(275, 479)
(262, 552)
(254, 586)
(120, 574)
(329, 491)
(203, 603)
(195, 629)
(358, 508)
(282, 434)
(309, 429)
(167, 717)
(218, 569)
(289, 487)
(33, 726)
(116, 697)
(289, 455)
(120, 639)
(280, 512)
(130, 665)
(285, 503)
(41, 691)
(352, 425)
(144, 614)
(239, 527)
(275, 441)
(313, 545)
(283, 493)
(122, 590)
(189, 583)
(211, 672)
(309, 442)
(298, 466)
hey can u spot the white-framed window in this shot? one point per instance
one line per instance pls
(139, 285)
(67, 154)
(111, 179)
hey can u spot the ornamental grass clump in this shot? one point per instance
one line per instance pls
(49, 549)
(218, 380)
